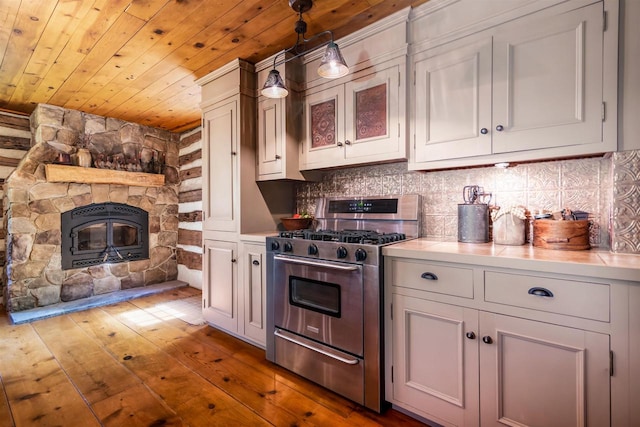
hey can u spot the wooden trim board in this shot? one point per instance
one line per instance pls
(62, 173)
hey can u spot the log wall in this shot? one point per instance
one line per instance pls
(190, 209)
(15, 140)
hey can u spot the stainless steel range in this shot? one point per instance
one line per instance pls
(324, 293)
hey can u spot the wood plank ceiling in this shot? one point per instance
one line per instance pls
(137, 60)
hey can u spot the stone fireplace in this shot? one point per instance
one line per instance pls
(36, 205)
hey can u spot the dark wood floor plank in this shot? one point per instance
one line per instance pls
(135, 407)
(96, 373)
(133, 364)
(216, 365)
(179, 387)
(6, 419)
(38, 390)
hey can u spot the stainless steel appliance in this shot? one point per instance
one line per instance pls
(324, 293)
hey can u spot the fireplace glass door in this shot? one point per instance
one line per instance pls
(104, 233)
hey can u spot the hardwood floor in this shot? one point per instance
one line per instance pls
(129, 364)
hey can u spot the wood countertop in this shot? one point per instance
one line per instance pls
(588, 263)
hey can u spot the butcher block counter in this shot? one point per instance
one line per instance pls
(475, 333)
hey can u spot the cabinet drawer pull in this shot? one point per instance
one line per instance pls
(540, 292)
(256, 262)
(429, 276)
(487, 339)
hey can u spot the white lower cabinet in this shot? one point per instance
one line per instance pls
(220, 287)
(253, 279)
(435, 369)
(463, 367)
(233, 292)
(470, 346)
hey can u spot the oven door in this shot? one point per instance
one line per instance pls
(320, 300)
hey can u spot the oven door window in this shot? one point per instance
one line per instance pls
(314, 295)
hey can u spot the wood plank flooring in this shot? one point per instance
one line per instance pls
(130, 364)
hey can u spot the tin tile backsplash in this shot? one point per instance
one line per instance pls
(625, 224)
(608, 188)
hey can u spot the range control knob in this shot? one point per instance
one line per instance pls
(275, 246)
(288, 247)
(313, 249)
(361, 254)
(341, 252)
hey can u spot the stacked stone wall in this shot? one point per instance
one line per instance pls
(33, 272)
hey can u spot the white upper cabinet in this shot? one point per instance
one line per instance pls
(279, 125)
(360, 121)
(453, 101)
(359, 118)
(536, 87)
(219, 195)
(548, 82)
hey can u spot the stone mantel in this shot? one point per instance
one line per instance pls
(63, 173)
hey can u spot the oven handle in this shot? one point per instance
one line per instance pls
(316, 264)
(285, 336)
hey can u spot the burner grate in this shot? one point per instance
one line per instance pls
(368, 237)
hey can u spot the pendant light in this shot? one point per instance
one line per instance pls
(332, 64)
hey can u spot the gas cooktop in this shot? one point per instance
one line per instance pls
(363, 237)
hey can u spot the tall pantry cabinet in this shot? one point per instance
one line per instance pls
(233, 204)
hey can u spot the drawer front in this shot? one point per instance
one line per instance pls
(579, 299)
(436, 278)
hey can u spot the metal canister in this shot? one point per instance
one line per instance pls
(473, 223)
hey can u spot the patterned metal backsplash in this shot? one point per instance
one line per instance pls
(625, 224)
(601, 186)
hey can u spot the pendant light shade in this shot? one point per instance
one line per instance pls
(274, 86)
(332, 65)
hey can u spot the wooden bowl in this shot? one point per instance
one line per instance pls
(291, 224)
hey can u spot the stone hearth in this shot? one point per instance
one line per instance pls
(33, 270)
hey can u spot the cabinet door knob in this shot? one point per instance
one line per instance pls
(233, 153)
(540, 292)
(255, 262)
(487, 339)
(339, 144)
(429, 276)
(347, 142)
(277, 156)
(484, 131)
(499, 128)
(233, 260)
(471, 335)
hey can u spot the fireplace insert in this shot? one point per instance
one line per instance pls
(104, 233)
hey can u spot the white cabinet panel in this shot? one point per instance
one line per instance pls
(253, 288)
(220, 284)
(535, 374)
(220, 154)
(435, 366)
(269, 134)
(453, 102)
(548, 82)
